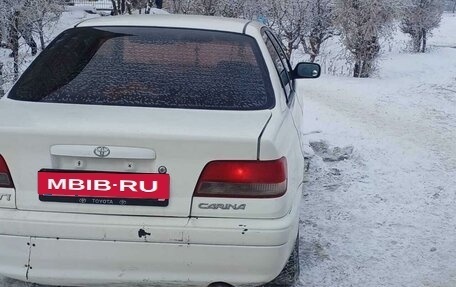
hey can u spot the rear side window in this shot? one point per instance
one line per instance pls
(280, 61)
(149, 67)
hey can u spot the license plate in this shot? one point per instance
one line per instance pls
(149, 189)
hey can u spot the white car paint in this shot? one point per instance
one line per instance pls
(74, 245)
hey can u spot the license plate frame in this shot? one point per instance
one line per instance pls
(104, 188)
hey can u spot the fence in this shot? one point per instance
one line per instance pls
(97, 4)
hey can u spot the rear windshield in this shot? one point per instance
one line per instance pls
(149, 67)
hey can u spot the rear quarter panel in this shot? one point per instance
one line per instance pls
(281, 136)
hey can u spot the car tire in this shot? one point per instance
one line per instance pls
(290, 273)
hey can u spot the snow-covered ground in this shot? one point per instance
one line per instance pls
(384, 216)
(445, 35)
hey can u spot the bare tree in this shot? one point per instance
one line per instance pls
(450, 6)
(293, 20)
(38, 14)
(2, 92)
(319, 23)
(419, 18)
(24, 18)
(362, 24)
(206, 7)
(231, 8)
(287, 19)
(9, 18)
(225, 8)
(120, 7)
(182, 6)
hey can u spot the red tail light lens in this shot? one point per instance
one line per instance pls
(243, 179)
(5, 176)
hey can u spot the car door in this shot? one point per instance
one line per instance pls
(284, 70)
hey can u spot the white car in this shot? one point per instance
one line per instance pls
(155, 151)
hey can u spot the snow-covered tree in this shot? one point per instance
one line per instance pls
(226, 8)
(24, 18)
(10, 13)
(450, 6)
(181, 6)
(419, 18)
(256, 10)
(362, 23)
(319, 26)
(207, 7)
(287, 18)
(248, 9)
(42, 13)
(232, 8)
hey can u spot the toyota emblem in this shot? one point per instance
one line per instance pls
(102, 151)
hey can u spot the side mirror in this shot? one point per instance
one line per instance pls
(307, 71)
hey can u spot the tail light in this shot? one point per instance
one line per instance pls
(5, 176)
(243, 179)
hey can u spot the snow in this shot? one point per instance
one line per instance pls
(445, 35)
(71, 17)
(384, 214)
(156, 11)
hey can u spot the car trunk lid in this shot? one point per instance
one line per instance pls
(59, 137)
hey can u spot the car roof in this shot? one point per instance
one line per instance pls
(173, 21)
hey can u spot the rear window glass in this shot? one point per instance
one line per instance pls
(149, 67)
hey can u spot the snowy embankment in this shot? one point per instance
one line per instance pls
(386, 215)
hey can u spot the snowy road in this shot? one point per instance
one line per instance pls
(385, 217)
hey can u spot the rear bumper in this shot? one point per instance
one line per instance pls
(81, 249)
(89, 262)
